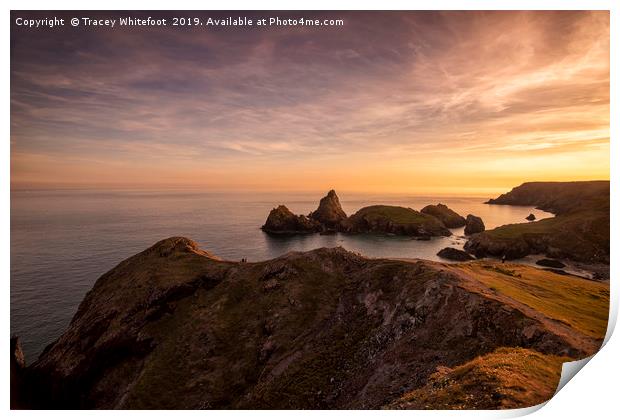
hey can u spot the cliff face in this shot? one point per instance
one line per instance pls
(174, 327)
(558, 197)
(580, 230)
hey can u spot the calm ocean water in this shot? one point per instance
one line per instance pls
(62, 241)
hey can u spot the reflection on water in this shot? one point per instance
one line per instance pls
(62, 241)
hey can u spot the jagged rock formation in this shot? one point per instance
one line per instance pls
(447, 216)
(282, 221)
(473, 224)
(579, 232)
(329, 213)
(454, 254)
(396, 220)
(174, 327)
(330, 218)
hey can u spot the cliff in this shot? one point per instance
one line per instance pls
(579, 231)
(175, 327)
(558, 197)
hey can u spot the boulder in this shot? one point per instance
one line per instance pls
(454, 254)
(473, 224)
(447, 216)
(531, 217)
(485, 245)
(329, 213)
(546, 262)
(282, 221)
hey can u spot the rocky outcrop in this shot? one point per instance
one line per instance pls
(282, 221)
(473, 224)
(484, 245)
(530, 217)
(546, 262)
(562, 237)
(329, 218)
(395, 220)
(329, 213)
(173, 327)
(18, 376)
(454, 254)
(447, 216)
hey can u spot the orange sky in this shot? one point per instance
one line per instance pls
(417, 102)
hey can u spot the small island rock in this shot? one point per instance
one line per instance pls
(473, 224)
(395, 220)
(282, 221)
(447, 216)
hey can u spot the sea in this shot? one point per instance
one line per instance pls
(62, 241)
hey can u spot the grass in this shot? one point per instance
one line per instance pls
(505, 378)
(547, 226)
(582, 304)
(397, 214)
(582, 236)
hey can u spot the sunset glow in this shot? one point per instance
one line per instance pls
(420, 102)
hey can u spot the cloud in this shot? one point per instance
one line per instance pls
(387, 85)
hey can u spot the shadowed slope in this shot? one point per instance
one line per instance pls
(173, 327)
(506, 378)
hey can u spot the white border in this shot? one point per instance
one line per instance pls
(593, 394)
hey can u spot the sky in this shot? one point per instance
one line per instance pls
(415, 102)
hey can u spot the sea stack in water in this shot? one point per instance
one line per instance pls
(396, 220)
(329, 213)
(447, 216)
(329, 218)
(282, 221)
(473, 224)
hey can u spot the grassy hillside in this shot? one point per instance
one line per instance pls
(558, 297)
(395, 219)
(580, 231)
(506, 378)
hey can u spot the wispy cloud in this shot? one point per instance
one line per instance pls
(386, 87)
